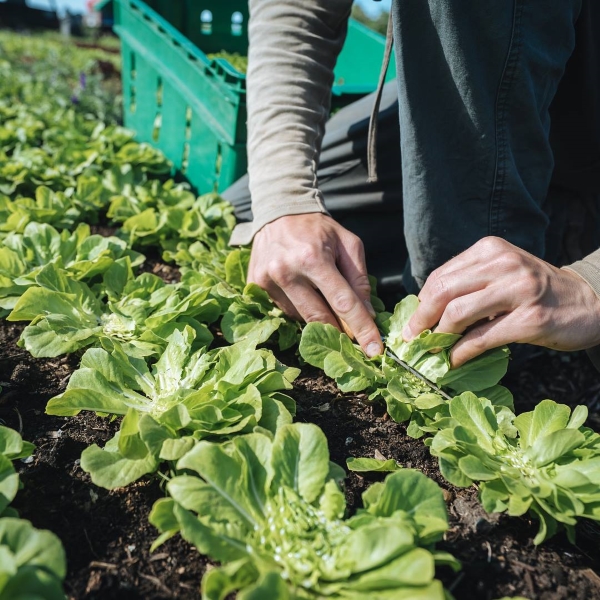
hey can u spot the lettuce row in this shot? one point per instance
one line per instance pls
(186, 396)
(550, 467)
(66, 315)
(543, 462)
(82, 255)
(270, 507)
(406, 396)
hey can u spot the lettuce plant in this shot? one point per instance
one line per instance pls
(12, 447)
(82, 255)
(54, 208)
(248, 313)
(208, 219)
(32, 562)
(406, 396)
(550, 466)
(271, 508)
(66, 315)
(183, 398)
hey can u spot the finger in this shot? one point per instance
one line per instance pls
(348, 306)
(439, 291)
(464, 311)
(478, 255)
(353, 266)
(276, 293)
(283, 302)
(310, 304)
(492, 334)
(473, 269)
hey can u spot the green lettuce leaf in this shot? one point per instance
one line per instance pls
(257, 503)
(184, 397)
(548, 468)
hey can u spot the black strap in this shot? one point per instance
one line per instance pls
(372, 139)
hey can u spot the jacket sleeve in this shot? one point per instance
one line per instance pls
(294, 45)
(589, 269)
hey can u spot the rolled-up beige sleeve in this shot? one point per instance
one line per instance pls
(294, 45)
(589, 269)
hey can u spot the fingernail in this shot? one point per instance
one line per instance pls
(373, 349)
(407, 334)
(370, 308)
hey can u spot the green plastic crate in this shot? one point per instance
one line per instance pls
(191, 108)
(194, 108)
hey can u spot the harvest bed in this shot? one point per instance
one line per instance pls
(107, 534)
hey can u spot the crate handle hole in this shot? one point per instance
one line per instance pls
(188, 123)
(206, 19)
(185, 158)
(157, 127)
(158, 117)
(237, 20)
(132, 75)
(159, 92)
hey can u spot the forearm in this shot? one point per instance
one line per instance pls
(293, 48)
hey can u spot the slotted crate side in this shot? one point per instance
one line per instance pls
(193, 110)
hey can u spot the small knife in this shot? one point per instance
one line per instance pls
(418, 375)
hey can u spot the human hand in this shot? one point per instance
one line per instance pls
(315, 270)
(499, 294)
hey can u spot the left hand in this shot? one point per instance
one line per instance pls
(499, 294)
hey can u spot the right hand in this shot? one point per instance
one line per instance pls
(315, 270)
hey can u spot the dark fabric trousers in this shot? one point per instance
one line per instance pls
(473, 151)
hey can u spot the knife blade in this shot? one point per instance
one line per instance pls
(418, 375)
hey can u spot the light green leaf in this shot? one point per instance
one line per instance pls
(317, 342)
(271, 586)
(300, 460)
(218, 583)
(552, 446)
(365, 465)
(110, 469)
(479, 373)
(548, 416)
(469, 412)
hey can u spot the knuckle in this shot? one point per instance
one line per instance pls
(363, 284)
(259, 276)
(439, 287)
(355, 244)
(492, 244)
(309, 258)
(532, 286)
(511, 260)
(455, 312)
(316, 317)
(279, 271)
(364, 334)
(477, 341)
(343, 302)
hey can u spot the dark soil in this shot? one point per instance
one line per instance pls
(107, 535)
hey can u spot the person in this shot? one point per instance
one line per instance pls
(486, 184)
